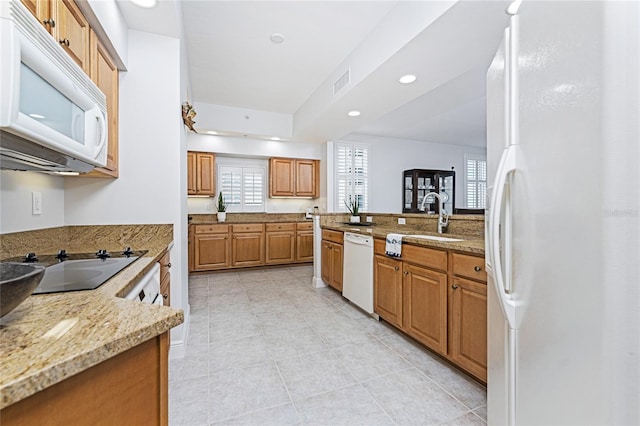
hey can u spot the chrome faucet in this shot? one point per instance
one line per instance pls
(443, 217)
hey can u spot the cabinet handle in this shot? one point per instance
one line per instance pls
(396, 268)
(65, 42)
(166, 296)
(477, 268)
(168, 265)
(50, 22)
(406, 272)
(455, 287)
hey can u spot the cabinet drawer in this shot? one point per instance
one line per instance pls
(379, 246)
(211, 229)
(304, 226)
(429, 258)
(280, 227)
(249, 227)
(469, 266)
(334, 236)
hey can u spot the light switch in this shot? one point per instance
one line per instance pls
(36, 203)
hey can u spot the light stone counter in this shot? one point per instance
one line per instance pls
(472, 242)
(51, 337)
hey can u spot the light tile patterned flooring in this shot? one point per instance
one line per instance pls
(266, 348)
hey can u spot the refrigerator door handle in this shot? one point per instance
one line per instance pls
(502, 278)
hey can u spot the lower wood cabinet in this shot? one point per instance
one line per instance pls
(129, 389)
(468, 326)
(224, 246)
(211, 247)
(247, 245)
(437, 297)
(332, 258)
(304, 242)
(425, 306)
(165, 278)
(280, 243)
(387, 293)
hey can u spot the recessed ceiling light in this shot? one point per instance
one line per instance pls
(406, 79)
(212, 132)
(145, 3)
(276, 38)
(38, 116)
(275, 138)
(353, 113)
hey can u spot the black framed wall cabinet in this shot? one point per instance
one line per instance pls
(417, 183)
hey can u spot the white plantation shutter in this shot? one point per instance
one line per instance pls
(476, 179)
(352, 174)
(242, 188)
(253, 189)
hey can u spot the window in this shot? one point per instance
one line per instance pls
(351, 174)
(242, 188)
(476, 181)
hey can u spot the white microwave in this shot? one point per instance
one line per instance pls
(52, 116)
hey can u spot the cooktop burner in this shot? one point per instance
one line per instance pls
(79, 271)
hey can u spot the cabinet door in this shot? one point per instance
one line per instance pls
(468, 332)
(336, 266)
(42, 10)
(306, 178)
(280, 247)
(304, 246)
(192, 170)
(191, 250)
(425, 306)
(212, 251)
(104, 74)
(248, 249)
(72, 32)
(326, 262)
(387, 291)
(204, 175)
(281, 177)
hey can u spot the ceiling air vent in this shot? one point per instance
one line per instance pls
(341, 82)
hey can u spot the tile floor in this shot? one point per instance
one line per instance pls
(266, 348)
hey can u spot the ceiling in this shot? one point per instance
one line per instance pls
(233, 62)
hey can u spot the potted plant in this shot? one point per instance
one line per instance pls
(353, 205)
(222, 208)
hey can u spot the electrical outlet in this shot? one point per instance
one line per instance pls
(36, 203)
(369, 219)
(402, 221)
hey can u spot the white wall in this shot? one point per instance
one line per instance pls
(388, 158)
(15, 201)
(243, 120)
(151, 187)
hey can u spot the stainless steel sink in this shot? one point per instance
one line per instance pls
(18, 280)
(436, 238)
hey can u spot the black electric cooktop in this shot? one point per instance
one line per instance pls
(79, 271)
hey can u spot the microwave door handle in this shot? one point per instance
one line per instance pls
(102, 132)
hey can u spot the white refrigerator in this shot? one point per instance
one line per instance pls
(562, 218)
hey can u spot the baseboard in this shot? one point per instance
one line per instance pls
(178, 348)
(318, 283)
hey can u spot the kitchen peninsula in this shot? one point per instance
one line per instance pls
(83, 355)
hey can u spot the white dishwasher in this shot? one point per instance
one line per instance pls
(357, 276)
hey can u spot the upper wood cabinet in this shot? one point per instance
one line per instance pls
(290, 177)
(72, 32)
(200, 173)
(66, 23)
(104, 74)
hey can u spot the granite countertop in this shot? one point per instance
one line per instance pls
(211, 219)
(50, 337)
(470, 244)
